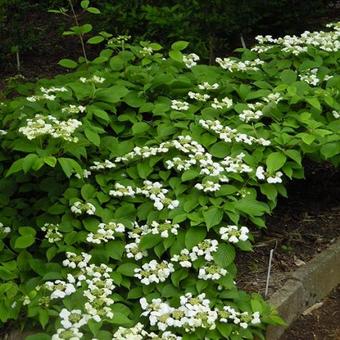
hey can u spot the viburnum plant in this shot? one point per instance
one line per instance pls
(129, 184)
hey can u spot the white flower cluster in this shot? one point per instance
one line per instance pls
(234, 234)
(49, 125)
(179, 105)
(94, 79)
(249, 115)
(137, 332)
(3, 132)
(190, 60)
(4, 230)
(243, 319)
(46, 94)
(164, 229)
(80, 208)
(74, 261)
(228, 134)
(310, 77)
(73, 319)
(152, 190)
(263, 175)
(273, 97)
(99, 291)
(69, 334)
(236, 164)
(145, 51)
(208, 186)
(336, 114)
(224, 103)
(59, 288)
(198, 96)
(193, 313)
(73, 109)
(105, 232)
(206, 86)
(53, 89)
(107, 164)
(204, 249)
(326, 41)
(154, 272)
(133, 250)
(211, 272)
(242, 66)
(86, 174)
(52, 232)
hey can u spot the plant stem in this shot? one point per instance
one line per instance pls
(80, 35)
(18, 60)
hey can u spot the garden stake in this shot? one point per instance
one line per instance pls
(242, 41)
(268, 273)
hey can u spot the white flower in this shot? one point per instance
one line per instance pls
(234, 234)
(70, 334)
(190, 60)
(207, 86)
(336, 114)
(52, 232)
(198, 96)
(179, 105)
(73, 319)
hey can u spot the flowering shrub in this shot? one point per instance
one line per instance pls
(129, 184)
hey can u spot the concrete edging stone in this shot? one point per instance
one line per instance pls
(306, 286)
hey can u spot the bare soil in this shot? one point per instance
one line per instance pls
(322, 323)
(299, 228)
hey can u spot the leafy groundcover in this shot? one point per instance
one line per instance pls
(128, 185)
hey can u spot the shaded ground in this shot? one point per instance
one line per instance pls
(322, 323)
(299, 228)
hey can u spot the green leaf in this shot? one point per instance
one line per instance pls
(84, 4)
(149, 241)
(179, 45)
(28, 162)
(294, 155)
(288, 76)
(251, 207)
(140, 127)
(194, 235)
(115, 249)
(112, 94)
(269, 190)
(93, 10)
(275, 161)
(88, 191)
(50, 160)
(224, 255)
(15, 167)
(68, 63)
(127, 269)
(27, 231)
(190, 174)
(24, 241)
(176, 55)
(69, 165)
(330, 150)
(213, 216)
(220, 149)
(95, 40)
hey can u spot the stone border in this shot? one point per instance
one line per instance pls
(306, 286)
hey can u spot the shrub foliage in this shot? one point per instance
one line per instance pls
(129, 184)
